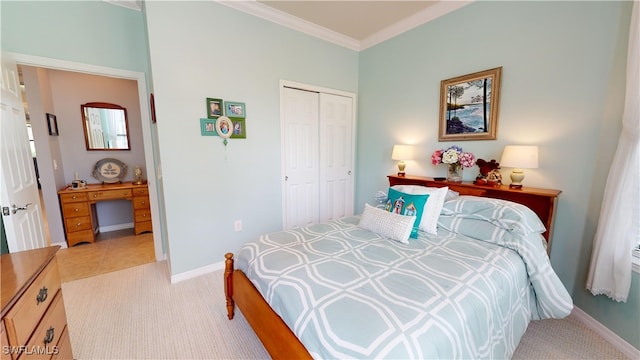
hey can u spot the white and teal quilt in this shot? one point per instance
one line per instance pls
(468, 292)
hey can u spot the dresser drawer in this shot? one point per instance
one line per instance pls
(64, 347)
(68, 198)
(23, 317)
(75, 209)
(79, 236)
(44, 341)
(109, 194)
(78, 223)
(141, 203)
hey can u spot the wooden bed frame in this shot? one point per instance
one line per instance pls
(275, 335)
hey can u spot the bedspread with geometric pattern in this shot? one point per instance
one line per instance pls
(346, 292)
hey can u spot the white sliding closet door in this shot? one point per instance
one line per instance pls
(336, 156)
(317, 151)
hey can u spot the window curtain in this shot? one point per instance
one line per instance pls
(618, 228)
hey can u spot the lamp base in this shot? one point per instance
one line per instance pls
(401, 174)
(515, 186)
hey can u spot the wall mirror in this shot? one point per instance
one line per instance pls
(105, 126)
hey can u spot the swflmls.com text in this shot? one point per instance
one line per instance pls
(30, 350)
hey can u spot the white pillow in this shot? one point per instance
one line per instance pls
(387, 224)
(432, 208)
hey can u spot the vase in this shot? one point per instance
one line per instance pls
(454, 173)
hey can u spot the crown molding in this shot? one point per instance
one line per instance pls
(422, 17)
(255, 8)
(287, 20)
(129, 4)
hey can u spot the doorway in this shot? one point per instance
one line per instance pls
(49, 165)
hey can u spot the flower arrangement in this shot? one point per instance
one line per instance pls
(455, 158)
(453, 155)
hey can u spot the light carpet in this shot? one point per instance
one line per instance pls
(137, 313)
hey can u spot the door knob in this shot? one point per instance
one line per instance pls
(15, 209)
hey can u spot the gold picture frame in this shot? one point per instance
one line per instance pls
(469, 106)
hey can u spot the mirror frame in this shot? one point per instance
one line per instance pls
(104, 105)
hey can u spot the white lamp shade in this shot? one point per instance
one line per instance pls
(402, 152)
(520, 156)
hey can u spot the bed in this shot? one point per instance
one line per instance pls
(352, 288)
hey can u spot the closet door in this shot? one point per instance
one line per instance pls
(336, 156)
(301, 158)
(317, 150)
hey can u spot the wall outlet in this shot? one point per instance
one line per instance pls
(237, 225)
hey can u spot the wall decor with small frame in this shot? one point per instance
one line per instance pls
(214, 108)
(235, 109)
(52, 123)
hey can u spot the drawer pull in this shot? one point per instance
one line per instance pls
(79, 224)
(76, 209)
(95, 195)
(74, 197)
(42, 296)
(51, 334)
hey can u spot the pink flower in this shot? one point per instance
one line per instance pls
(467, 159)
(436, 158)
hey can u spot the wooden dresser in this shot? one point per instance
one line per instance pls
(79, 213)
(34, 322)
(542, 201)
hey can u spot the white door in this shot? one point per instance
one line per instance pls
(301, 159)
(19, 198)
(318, 148)
(336, 156)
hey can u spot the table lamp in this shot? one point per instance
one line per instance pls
(519, 157)
(402, 153)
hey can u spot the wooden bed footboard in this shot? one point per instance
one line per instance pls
(275, 335)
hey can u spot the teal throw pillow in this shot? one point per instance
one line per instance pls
(407, 204)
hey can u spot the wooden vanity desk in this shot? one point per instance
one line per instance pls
(542, 201)
(34, 322)
(79, 213)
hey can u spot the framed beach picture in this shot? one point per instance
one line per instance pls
(469, 106)
(235, 109)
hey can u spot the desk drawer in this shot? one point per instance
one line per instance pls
(144, 191)
(68, 198)
(79, 236)
(24, 316)
(75, 209)
(43, 343)
(109, 194)
(78, 223)
(143, 226)
(142, 215)
(141, 203)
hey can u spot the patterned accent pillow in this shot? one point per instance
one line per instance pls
(407, 204)
(437, 196)
(389, 225)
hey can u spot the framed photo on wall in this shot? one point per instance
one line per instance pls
(208, 127)
(214, 108)
(239, 128)
(469, 106)
(52, 123)
(235, 109)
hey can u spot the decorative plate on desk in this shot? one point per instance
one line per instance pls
(110, 170)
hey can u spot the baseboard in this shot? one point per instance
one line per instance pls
(116, 227)
(611, 337)
(197, 272)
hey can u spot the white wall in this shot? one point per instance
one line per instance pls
(203, 49)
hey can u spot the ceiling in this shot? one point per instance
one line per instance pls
(356, 24)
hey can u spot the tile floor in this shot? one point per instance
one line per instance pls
(112, 251)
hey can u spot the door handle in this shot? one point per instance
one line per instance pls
(15, 209)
